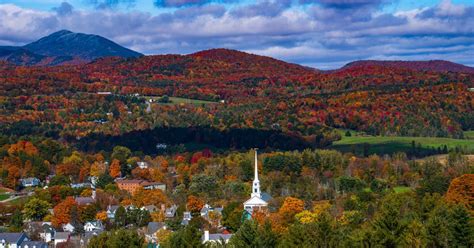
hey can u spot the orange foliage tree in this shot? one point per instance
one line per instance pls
(144, 197)
(194, 204)
(62, 212)
(114, 169)
(461, 190)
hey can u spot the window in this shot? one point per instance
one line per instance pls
(255, 190)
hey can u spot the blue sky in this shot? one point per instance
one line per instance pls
(319, 33)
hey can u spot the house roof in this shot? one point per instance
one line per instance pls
(218, 236)
(11, 237)
(84, 200)
(266, 197)
(255, 201)
(35, 244)
(129, 181)
(62, 235)
(153, 227)
(96, 223)
(113, 208)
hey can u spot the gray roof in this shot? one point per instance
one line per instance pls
(154, 226)
(62, 235)
(13, 238)
(266, 197)
(84, 200)
(113, 208)
(48, 228)
(218, 236)
(35, 244)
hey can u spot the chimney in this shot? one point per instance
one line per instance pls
(206, 236)
(93, 194)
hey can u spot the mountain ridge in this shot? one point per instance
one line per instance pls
(64, 47)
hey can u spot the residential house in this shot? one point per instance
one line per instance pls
(151, 230)
(61, 237)
(30, 182)
(154, 185)
(111, 209)
(93, 226)
(47, 232)
(215, 238)
(186, 218)
(12, 240)
(171, 211)
(68, 228)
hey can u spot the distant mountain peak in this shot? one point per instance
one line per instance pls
(79, 45)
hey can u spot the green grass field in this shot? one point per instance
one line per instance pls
(179, 100)
(390, 145)
(469, 135)
(4, 197)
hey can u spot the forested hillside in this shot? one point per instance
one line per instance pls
(249, 91)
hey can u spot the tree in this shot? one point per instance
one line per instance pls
(291, 206)
(59, 180)
(461, 191)
(36, 209)
(232, 216)
(104, 180)
(114, 169)
(122, 153)
(190, 236)
(246, 236)
(194, 204)
(62, 212)
(16, 222)
(102, 216)
(120, 238)
(120, 216)
(202, 184)
(415, 235)
(461, 227)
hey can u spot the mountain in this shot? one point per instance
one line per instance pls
(431, 65)
(84, 46)
(65, 47)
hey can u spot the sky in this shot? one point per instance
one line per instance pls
(324, 34)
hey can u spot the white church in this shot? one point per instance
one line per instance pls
(255, 202)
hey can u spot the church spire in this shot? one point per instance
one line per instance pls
(256, 182)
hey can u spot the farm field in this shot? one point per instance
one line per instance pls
(389, 145)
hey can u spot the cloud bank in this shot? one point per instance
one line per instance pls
(319, 33)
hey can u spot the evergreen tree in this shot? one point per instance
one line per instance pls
(16, 221)
(461, 227)
(120, 217)
(188, 237)
(438, 227)
(247, 236)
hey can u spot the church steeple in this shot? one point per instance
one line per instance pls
(256, 182)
